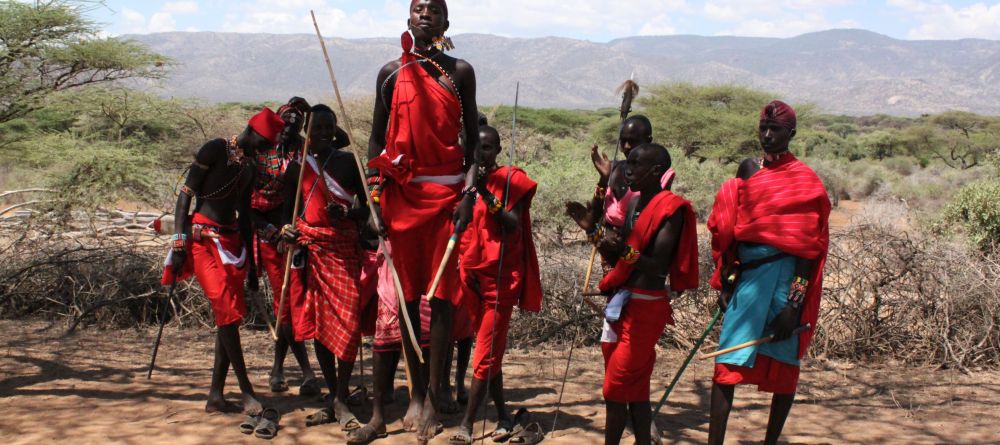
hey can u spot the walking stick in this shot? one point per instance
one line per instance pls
(629, 90)
(371, 205)
(295, 214)
(694, 350)
(163, 320)
(444, 262)
(759, 341)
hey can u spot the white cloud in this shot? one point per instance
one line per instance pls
(938, 20)
(133, 21)
(763, 18)
(162, 22)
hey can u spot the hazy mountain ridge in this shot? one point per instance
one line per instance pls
(842, 71)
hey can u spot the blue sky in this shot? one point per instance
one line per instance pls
(583, 19)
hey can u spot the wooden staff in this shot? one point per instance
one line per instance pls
(759, 341)
(444, 262)
(295, 215)
(371, 205)
(163, 320)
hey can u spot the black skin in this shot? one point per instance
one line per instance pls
(428, 20)
(489, 148)
(587, 215)
(642, 173)
(774, 139)
(290, 140)
(210, 172)
(325, 145)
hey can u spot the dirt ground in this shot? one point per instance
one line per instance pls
(91, 388)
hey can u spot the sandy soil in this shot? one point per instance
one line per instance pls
(91, 388)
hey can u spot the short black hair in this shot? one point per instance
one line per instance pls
(658, 153)
(489, 129)
(640, 121)
(483, 120)
(322, 108)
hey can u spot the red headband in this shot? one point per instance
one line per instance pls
(267, 124)
(442, 3)
(779, 112)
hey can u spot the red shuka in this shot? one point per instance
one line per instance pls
(783, 205)
(219, 271)
(521, 282)
(684, 270)
(333, 294)
(421, 141)
(294, 314)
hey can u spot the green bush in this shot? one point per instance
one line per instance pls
(977, 208)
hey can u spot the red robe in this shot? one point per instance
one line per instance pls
(333, 286)
(629, 362)
(219, 264)
(521, 282)
(421, 142)
(783, 205)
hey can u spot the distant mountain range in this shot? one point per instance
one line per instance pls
(842, 71)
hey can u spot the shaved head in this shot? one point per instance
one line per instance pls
(655, 154)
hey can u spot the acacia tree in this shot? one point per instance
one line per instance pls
(49, 46)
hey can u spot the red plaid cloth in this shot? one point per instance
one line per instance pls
(333, 294)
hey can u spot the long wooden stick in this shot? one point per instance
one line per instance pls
(163, 320)
(295, 215)
(371, 205)
(759, 341)
(444, 262)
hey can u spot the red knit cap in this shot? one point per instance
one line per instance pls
(779, 112)
(267, 124)
(442, 3)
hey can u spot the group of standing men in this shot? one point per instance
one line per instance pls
(432, 175)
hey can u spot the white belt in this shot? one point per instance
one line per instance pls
(644, 297)
(443, 180)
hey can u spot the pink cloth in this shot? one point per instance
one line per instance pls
(615, 209)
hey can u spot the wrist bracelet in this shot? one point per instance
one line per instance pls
(630, 255)
(178, 241)
(494, 206)
(470, 191)
(600, 192)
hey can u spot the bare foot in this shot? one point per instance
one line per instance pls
(216, 404)
(412, 415)
(251, 406)
(428, 422)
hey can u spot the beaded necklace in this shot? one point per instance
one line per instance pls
(235, 156)
(451, 80)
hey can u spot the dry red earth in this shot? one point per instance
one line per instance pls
(91, 389)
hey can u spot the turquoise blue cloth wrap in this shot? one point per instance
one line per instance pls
(760, 295)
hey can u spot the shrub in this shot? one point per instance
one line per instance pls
(977, 208)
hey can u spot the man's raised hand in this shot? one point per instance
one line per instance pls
(584, 215)
(601, 163)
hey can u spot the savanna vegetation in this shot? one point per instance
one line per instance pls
(913, 272)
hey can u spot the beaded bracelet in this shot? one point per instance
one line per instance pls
(797, 293)
(178, 241)
(470, 191)
(187, 190)
(600, 192)
(494, 206)
(630, 255)
(595, 235)
(376, 193)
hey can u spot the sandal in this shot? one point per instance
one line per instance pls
(358, 396)
(531, 435)
(511, 427)
(267, 428)
(249, 424)
(321, 417)
(309, 387)
(366, 434)
(348, 422)
(462, 437)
